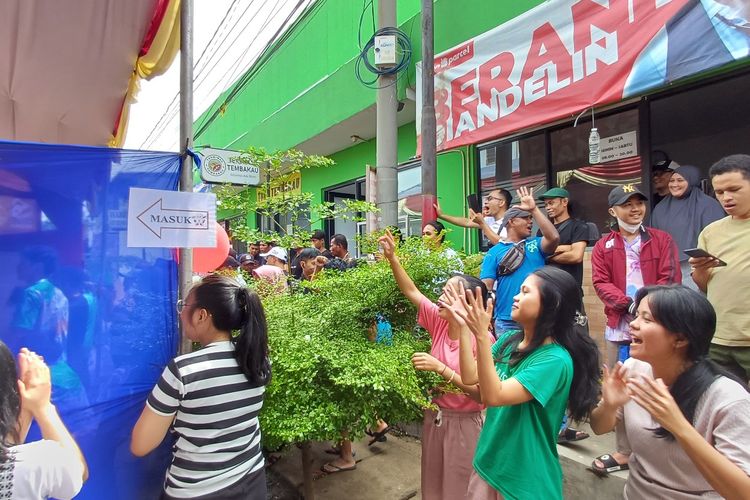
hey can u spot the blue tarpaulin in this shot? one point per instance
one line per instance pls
(100, 313)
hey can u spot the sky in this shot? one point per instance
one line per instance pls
(228, 37)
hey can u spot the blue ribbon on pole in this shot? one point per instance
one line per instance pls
(195, 156)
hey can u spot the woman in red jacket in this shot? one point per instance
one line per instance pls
(623, 262)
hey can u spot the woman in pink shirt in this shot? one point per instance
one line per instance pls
(449, 436)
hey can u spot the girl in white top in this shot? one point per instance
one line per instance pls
(686, 419)
(52, 467)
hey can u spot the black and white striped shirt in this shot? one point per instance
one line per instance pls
(216, 420)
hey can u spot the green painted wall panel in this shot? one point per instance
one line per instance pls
(308, 85)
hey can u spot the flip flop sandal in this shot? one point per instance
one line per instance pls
(378, 437)
(333, 450)
(329, 468)
(570, 434)
(610, 465)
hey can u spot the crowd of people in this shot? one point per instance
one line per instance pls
(514, 341)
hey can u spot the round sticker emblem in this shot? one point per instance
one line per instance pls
(214, 165)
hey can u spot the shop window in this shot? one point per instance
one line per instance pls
(701, 125)
(409, 183)
(589, 184)
(512, 164)
(284, 223)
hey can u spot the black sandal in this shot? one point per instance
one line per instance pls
(610, 465)
(378, 437)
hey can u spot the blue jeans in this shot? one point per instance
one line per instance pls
(504, 325)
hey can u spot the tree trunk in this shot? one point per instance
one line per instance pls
(307, 471)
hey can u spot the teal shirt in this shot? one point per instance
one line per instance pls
(517, 449)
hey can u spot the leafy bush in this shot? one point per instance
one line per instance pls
(328, 376)
(473, 264)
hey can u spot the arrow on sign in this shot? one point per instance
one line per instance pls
(157, 218)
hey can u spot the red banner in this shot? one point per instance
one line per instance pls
(562, 57)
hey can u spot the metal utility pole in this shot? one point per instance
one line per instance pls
(428, 132)
(387, 131)
(185, 269)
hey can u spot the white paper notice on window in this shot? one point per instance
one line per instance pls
(617, 147)
(171, 219)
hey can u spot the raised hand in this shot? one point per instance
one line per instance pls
(477, 316)
(655, 398)
(438, 210)
(450, 300)
(477, 218)
(34, 383)
(526, 199)
(614, 386)
(388, 244)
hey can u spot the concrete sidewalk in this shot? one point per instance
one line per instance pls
(391, 471)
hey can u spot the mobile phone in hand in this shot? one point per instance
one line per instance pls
(474, 203)
(699, 252)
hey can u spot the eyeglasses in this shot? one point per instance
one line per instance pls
(180, 305)
(488, 198)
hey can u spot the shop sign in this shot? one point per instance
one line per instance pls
(221, 166)
(563, 56)
(171, 219)
(619, 146)
(288, 184)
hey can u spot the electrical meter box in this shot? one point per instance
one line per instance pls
(385, 50)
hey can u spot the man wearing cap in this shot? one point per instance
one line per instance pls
(274, 270)
(531, 253)
(248, 263)
(623, 262)
(661, 172)
(568, 256)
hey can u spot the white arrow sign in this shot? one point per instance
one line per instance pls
(171, 219)
(157, 218)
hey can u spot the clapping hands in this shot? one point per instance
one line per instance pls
(468, 308)
(34, 382)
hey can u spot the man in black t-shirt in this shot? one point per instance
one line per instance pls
(568, 256)
(574, 234)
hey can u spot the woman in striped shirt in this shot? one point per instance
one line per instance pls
(211, 398)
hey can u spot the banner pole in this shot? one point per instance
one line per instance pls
(428, 132)
(185, 266)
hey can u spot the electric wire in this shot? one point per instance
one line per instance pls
(173, 108)
(403, 44)
(281, 35)
(222, 81)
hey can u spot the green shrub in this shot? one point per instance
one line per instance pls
(328, 376)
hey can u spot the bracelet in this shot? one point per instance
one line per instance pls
(443, 370)
(452, 375)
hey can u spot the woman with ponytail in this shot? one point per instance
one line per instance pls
(211, 398)
(686, 419)
(527, 378)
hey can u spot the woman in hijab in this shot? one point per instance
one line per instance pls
(685, 212)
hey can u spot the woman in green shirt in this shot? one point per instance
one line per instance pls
(527, 379)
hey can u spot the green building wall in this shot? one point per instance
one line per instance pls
(308, 85)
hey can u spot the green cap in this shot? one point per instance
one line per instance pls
(555, 193)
